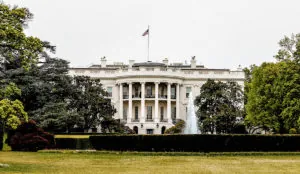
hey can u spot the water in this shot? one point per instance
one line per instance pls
(191, 125)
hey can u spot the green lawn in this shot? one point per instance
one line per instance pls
(26, 162)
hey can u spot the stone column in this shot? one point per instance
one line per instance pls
(121, 102)
(169, 104)
(142, 119)
(177, 101)
(129, 117)
(156, 119)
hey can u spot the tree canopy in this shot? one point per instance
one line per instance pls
(219, 106)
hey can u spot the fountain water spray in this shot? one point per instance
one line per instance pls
(191, 125)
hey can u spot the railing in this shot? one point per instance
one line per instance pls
(149, 96)
(149, 120)
(163, 96)
(135, 120)
(163, 120)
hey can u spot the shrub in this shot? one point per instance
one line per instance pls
(292, 131)
(177, 129)
(72, 143)
(29, 137)
(198, 143)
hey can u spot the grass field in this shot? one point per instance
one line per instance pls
(26, 162)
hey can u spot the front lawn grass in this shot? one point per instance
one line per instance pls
(30, 162)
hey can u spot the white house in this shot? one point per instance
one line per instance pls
(150, 96)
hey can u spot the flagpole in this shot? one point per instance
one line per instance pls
(148, 42)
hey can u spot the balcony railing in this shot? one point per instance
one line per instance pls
(135, 120)
(149, 96)
(149, 120)
(163, 120)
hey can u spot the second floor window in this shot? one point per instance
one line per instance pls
(149, 112)
(149, 91)
(109, 91)
(136, 113)
(187, 91)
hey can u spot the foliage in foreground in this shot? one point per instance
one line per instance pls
(177, 128)
(29, 137)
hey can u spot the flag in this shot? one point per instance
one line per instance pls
(146, 32)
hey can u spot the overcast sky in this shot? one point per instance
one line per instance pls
(220, 33)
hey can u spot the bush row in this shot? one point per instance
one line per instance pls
(199, 143)
(72, 143)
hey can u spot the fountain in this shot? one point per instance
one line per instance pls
(191, 125)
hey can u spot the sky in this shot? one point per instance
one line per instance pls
(221, 34)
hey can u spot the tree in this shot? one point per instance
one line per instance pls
(274, 97)
(15, 47)
(91, 102)
(11, 111)
(177, 129)
(29, 137)
(219, 106)
(290, 48)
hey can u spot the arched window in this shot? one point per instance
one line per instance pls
(136, 129)
(163, 129)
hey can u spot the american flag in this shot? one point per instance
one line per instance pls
(146, 32)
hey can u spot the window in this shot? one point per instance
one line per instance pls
(187, 91)
(161, 113)
(149, 91)
(136, 91)
(173, 113)
(149, 131)
(125, 113)
(162, 91)
(149, 112)
(136, 113)
(109, 91)
(173, 93)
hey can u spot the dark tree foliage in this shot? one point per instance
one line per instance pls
(29, 137)
(110, 125)
(91, 102)
(220, 105)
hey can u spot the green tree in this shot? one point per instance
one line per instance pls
(219, 106)
(91, 102)
(15, 47)
(274, 97)
(289, 48)
(11, 111)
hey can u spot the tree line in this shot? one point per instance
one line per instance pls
(35, 85)
(269, 102)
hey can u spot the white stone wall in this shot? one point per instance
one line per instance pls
(193, 78)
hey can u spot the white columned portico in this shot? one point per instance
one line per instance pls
(142, 102)
(121, 102)
(169, 104)
(177, 101)
(156, 119)
(129, 117)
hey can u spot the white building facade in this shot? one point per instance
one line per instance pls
(150, 96)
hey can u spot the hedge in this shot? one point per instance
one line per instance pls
(197, 143)
(72, 143)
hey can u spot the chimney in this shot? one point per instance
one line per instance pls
(166, 61)
(193, 62)
(131, 62)
(103, 62)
